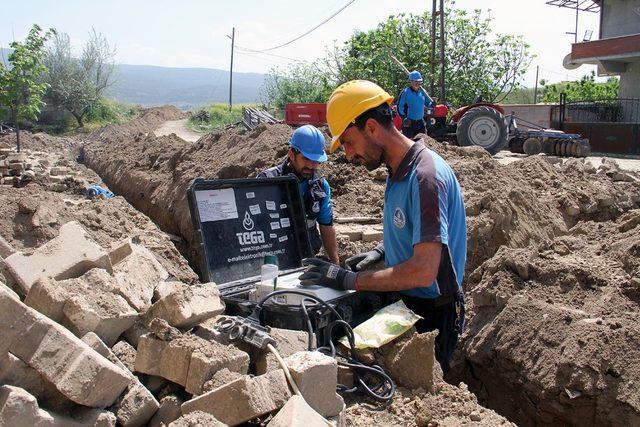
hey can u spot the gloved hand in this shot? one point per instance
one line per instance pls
(323, 273)
(364, 260)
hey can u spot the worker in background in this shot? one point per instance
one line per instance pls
(425, 236)
(306, 152)
(412, 102)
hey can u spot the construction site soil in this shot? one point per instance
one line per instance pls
(553, 262)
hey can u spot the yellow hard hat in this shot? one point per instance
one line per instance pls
(348, 102)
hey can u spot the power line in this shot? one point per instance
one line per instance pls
(307, 32)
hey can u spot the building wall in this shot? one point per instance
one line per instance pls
(630, 81)
(540, 114)
(620, 18)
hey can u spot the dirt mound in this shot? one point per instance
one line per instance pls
(555, 327)
(515, 205)
(39, 142)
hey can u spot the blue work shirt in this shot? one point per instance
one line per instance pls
(316, 195)
(423, 203)
(411, 103)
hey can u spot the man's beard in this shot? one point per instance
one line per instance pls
(305, 173)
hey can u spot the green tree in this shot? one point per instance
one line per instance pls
(477, 62)
(21, 87)
(77, 85)
(586, 89)
(300, 82)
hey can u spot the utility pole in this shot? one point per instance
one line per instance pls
(442, 59)
(432, 79)
(233, 37)
(535, 91)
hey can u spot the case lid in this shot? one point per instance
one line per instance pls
(240, 221)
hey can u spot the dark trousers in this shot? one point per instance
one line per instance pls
(415, 127)
(448, 319)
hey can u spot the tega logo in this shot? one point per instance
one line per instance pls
(248, 222)
(399, 219)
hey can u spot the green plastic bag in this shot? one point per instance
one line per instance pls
(386, 325)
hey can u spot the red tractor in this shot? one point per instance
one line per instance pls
(481, 123)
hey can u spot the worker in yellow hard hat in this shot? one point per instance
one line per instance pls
(424, 240)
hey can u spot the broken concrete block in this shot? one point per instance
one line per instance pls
(76, 370)
(48, 297)
(165, 288)
(137, 275)
(126, 354)
(243, 399)
(211, 358)
(410, 362)
(288, 342)
(107, 315)
(316, 376)
(136, 405)
(68, 255)
(133, 334)
(220, 378)
(297, 413)
(176, 357)
(169, 411)
(58, 170)
(197, 419)
(187, 305)
(120, 251)
(149, 354)
(19, 408)
(371, 235)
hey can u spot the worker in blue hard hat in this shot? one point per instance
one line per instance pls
(412, 102)
(306, 152)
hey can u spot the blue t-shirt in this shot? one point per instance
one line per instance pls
(423, 203)
(411, 103)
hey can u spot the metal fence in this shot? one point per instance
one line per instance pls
(606, 111)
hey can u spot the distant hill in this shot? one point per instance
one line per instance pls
(183, 87)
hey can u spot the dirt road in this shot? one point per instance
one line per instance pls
(179, 128)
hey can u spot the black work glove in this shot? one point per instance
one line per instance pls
(323, 273)
(364, 260)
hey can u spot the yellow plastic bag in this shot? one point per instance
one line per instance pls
(386, 325)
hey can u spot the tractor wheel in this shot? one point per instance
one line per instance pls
(484, 127)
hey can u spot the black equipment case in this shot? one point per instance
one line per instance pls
(238, 222)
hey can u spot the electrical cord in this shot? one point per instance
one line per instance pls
(285, 368)
(383, 390)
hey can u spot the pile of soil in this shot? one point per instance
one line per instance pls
(556, 328)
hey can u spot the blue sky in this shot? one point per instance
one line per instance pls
(192, 33)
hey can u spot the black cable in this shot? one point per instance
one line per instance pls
(383, 391)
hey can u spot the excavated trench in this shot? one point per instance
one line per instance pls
(552, 268)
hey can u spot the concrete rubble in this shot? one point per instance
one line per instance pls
(316, 375)
(297, 413)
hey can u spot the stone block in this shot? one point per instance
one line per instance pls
(149, 354)
(137, 275)
(288, 342)
(211, 358)
(297, 413)
(410, 362)
(105, 314)
(68, 255)
(58, 170)
(76, 370)
(165, 288)
(126, 353)
(316, 376)
(197, 419)
(19, 408)
(176, 357)
(16, 158)
(136, 405)
(371, 235)
(169, 411)
(48, 297)
(220, 378)
(162, 330)
(243, 399)
(187, 305)
(120, 251)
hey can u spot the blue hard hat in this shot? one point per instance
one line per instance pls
(310, 142)
(415, 76)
